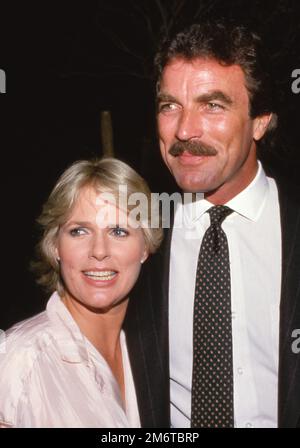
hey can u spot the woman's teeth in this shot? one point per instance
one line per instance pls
(101, 275)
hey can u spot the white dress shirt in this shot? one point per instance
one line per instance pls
(52, 376)
(254, 238)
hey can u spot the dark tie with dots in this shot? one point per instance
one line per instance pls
(212, 383)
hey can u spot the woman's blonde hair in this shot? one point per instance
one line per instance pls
(104, 175)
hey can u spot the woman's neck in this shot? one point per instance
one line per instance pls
(103, 330)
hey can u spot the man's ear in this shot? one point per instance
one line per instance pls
(260, 125)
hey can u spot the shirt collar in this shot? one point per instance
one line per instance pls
(248, 203)
(190, 210)
(71, 343)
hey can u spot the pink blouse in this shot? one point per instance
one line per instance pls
(52, 376)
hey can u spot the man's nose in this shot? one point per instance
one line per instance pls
(99, 247)
(189, 126)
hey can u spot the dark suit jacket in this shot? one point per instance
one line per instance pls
(146, 325)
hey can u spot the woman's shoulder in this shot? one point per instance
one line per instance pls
(26, 342)
(21, 347)
(22, 343)
(32, 335)
(27, 333)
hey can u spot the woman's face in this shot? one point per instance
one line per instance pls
(100, 254)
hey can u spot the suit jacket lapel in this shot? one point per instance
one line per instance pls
(289, 362)
(147, 333)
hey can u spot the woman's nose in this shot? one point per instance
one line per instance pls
(99, 248)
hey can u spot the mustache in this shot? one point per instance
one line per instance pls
(193, 147)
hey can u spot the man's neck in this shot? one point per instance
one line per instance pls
(233, 187)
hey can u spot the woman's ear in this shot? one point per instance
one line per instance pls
(56, 254)
(145, 256)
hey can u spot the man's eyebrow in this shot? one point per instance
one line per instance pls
(165, 97)
(216, 95)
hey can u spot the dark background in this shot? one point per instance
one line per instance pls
(65, 63)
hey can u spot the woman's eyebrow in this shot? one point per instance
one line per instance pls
(78, 223)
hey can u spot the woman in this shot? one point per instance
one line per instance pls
(69, 366)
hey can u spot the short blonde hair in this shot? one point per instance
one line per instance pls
(105, 174)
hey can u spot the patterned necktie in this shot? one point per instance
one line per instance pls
(212, 383)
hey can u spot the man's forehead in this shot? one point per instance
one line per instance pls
(206, 68)
(198, 72)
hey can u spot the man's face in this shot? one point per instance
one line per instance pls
(203, 108)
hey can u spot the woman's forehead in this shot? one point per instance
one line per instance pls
(100, 207)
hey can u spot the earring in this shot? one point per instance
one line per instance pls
(58, 260)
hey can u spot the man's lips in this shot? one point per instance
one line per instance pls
(186, 158)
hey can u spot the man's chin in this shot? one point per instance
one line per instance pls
(194, 185)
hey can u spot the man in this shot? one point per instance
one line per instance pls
(215, 103)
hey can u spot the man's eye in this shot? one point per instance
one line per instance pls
(166, 107)
(215, 106)
(77, 231)
(119, 232)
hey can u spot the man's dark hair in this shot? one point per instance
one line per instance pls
(229, 44)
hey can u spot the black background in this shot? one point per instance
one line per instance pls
(65, 62)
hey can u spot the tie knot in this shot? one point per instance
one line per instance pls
(218, 213)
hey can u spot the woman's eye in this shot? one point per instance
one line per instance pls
(119, 232)
(77, 231)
